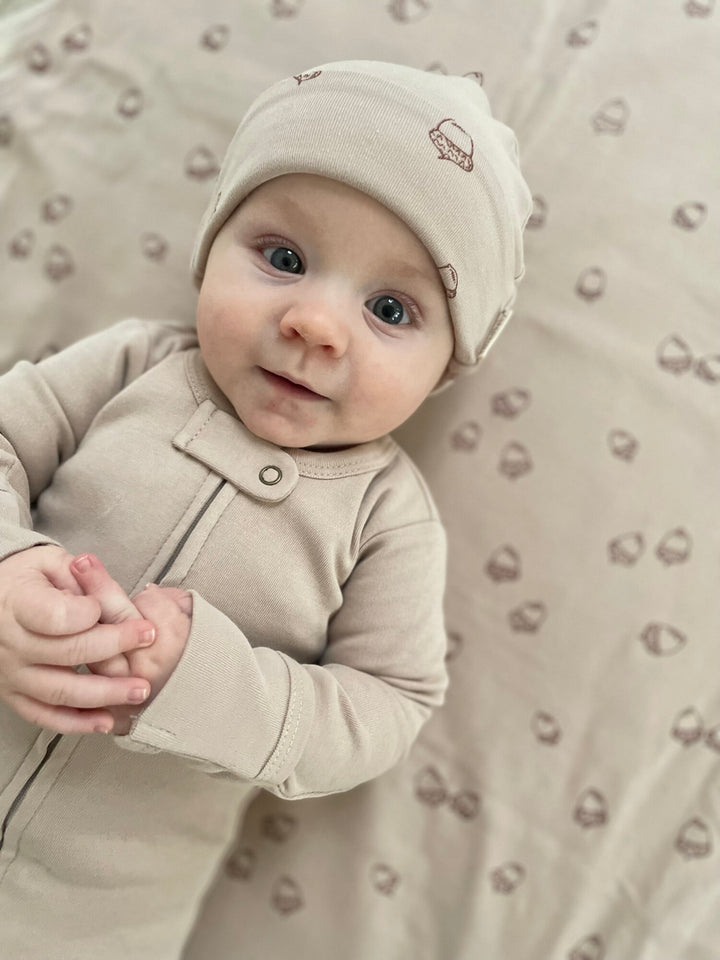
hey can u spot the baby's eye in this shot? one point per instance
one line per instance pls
(283, 258)
(389, 309)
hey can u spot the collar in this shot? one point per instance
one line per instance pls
(216, 437)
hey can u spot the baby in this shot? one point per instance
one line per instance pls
(362, 248)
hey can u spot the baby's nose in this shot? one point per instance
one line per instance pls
(319, 323)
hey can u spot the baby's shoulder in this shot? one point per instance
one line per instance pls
(401, 494)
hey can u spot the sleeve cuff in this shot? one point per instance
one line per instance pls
(235, 708)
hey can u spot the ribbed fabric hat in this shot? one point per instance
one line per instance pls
(423, 144)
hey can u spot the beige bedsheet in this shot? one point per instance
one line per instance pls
(564, 804)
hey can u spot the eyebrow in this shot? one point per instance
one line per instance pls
(287, 206)
(404, 270)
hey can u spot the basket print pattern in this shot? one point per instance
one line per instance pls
(579, 745)
(453, 143)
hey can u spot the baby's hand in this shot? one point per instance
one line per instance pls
(47, 630)
(168, 608)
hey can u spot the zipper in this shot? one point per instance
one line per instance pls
(26, 786)
(184, 539)
(58, 737)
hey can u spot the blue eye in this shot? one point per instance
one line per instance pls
(389, 310)
(282, 258)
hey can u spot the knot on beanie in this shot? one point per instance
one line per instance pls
(423, 144)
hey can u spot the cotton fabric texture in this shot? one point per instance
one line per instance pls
(427, 147)
(594, 417)
(316, 649)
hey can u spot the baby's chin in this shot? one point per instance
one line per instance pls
(292, 439)
(278, 431)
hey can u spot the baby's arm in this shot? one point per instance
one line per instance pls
(45, 410)
(245, 710)
(47, 629)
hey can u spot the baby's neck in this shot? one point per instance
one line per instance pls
(323, 449)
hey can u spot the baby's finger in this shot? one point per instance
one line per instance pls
(182, 598)
(185, 603)
(61, 719)
(161, 606)
(63, 687)
(116, 666)
(91, 575)
(173, 630)
(92, 646)
(115, 605)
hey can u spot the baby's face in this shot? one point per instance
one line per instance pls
(321, 316)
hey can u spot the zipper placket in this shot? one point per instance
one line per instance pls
(20, 796)
(26, 786)
(185, 537)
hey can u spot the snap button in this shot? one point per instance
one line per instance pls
(270, 475)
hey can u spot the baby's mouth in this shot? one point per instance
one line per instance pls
(290, 387)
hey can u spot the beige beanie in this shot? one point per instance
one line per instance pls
(423, 144)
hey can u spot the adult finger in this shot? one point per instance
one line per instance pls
(91, 646)
(63, 687)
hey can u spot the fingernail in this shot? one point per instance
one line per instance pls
(137, 695)
(147, 637)
(82, 563)
(102, 728)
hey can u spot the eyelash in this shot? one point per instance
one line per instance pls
(262, 243)
(407, 302)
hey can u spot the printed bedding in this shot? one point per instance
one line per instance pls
(563, 805)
